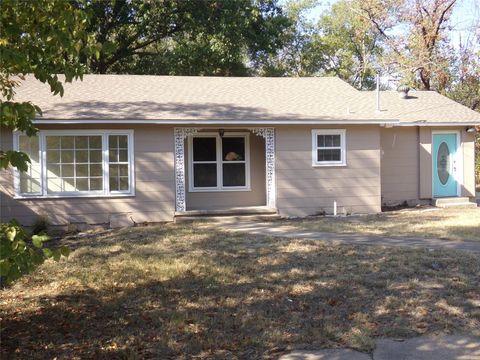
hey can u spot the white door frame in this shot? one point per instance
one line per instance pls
(457, 160)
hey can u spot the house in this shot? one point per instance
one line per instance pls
(122, 148)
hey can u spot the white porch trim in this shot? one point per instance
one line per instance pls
(181, 133)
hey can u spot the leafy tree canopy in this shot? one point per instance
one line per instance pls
(185, 37)
(43, 38)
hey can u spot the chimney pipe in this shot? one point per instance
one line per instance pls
(378, 92)
(403, 91)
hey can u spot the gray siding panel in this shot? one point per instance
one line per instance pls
(400, 164)
(154, 198)
(306, 190)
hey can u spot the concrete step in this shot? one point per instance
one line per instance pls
(466, 205)
(244, 210)
(453, 202)
(226, 218)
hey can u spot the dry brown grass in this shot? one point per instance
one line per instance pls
(449, 224)
(182, 292)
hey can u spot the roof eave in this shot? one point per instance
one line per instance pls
(215, 122)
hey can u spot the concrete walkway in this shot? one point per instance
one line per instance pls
(278, 229)
(421, 348)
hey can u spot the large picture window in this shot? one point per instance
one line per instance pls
(328, 147)
(76, 163)
(219, 163)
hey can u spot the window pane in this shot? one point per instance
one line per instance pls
(67, 170)
(113, 172)
(336, 140)
(96, 184)
(321, 140)
(95, 142)
(96, 156)
(82, 184)
(114, 183)
(72, 162)
(96, 170)
(329, 155)
(30, 179)
(234, 174)
(123, 170)
(233, 148)
(53, 170)
(123, 155)
(113, 155)
(67, 156)
(81, 142)
(205, 175)
(113, 142)
(204, 149)
(53, 156)
(81, 156)
(68, 184)
(81, 170)
(54, 185)
(67, 142)
(53, 142)
(124, 183)
(123, 142)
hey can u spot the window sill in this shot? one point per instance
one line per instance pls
(329, 165)
(83, 196)
(218, 190)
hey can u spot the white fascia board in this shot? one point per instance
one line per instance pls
(215, 122)
(443, 123)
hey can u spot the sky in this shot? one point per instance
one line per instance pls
(466, 14)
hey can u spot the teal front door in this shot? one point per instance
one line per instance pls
(444, 165)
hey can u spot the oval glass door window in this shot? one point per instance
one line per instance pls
(443, 163)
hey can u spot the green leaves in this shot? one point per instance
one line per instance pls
(18, 257)
(43, 38)
(184, 37)
(17, 159)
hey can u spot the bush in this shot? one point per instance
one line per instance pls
(40, 226)
(20, 255)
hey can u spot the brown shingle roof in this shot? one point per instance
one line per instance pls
(247, 99)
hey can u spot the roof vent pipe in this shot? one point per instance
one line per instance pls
(403, 91)
(378, 92)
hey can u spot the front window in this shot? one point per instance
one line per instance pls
(219, 163)
(77, 163)
(328, 148)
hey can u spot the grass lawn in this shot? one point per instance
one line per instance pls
(180, 291)
(451, 224)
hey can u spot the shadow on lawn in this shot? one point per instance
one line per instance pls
(234, 296)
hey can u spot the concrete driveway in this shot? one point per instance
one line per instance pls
(421, 348)
(278, 229)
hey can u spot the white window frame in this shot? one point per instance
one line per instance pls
(342, 147)
(219, 161)
(42, 135)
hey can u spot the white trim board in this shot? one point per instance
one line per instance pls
(383, 122)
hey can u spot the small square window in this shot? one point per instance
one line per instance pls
(328, 147)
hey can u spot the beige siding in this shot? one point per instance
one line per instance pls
(227, 199)
(468, 150)
(425, 163)
(306, 190)
(155, 187)
(400, 164)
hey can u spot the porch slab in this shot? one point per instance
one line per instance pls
(246, 210)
